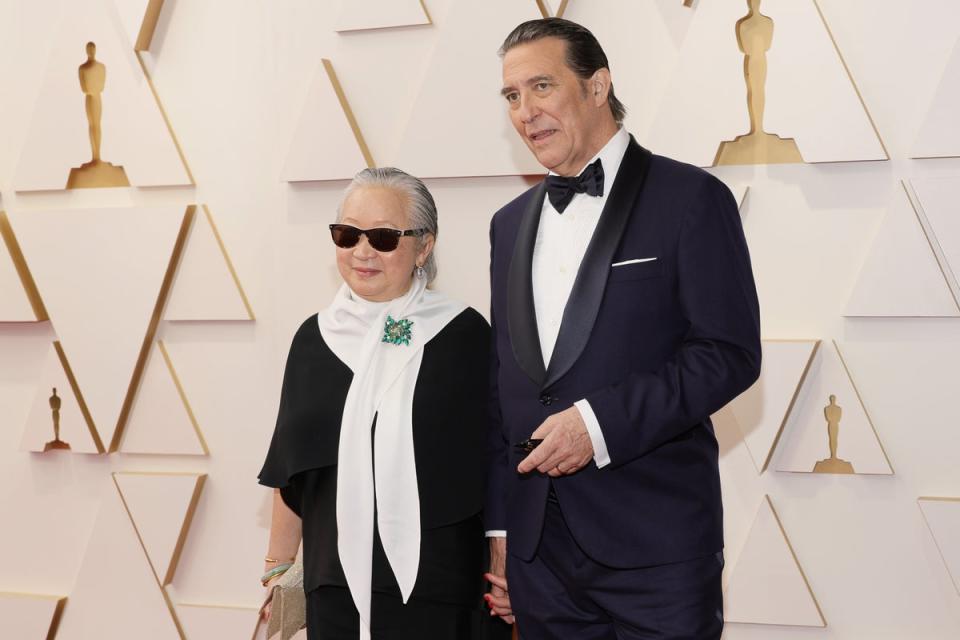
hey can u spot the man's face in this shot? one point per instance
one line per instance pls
(550, 107)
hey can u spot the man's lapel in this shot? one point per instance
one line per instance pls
(521, 315)
(584, 303)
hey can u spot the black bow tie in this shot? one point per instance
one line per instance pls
(561, 190)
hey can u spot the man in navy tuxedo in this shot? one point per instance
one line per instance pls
(624, 314)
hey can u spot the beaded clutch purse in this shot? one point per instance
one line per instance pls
(288, 614)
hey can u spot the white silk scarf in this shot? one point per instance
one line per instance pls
(376, 471)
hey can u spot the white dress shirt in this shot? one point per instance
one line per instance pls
(561, 243)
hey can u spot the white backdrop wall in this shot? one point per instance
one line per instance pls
(233, 78)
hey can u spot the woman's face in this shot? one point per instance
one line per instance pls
(373, 275)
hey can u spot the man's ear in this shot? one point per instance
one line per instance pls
(600, 86)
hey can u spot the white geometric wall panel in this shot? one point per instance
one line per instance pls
(206, 286)
(356, 15)
(943, 517)
(161, 420)
(901, 276)
(14, 302)
(762, 410)
(100, 272)
(806, 439)
(939, 200)
(939, 134)
(464, 78)
(557, 8)
(75, 430)
(161, 506)
(135, 134)
(809, 94)
(213, 622)
(767, 585)
(327, 144)
(29, 616)
(637, 82)
(116, 593)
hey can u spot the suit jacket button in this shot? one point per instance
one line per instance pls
(546, 400)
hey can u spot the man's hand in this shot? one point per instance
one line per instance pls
(566, 446)
(499, 597)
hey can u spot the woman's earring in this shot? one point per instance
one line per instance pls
(419, 271)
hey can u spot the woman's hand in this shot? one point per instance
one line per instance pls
(499, 597)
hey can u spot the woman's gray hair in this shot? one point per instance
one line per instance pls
(421, 209)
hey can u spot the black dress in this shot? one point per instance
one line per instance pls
(449, 432)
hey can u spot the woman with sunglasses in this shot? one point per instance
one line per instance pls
(377, 455)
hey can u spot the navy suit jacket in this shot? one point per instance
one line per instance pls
(656, 347)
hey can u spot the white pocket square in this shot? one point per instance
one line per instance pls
(634, 261)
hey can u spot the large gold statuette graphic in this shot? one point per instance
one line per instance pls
(97, 172)
(832, 412)
(56, 443)
(755, 36)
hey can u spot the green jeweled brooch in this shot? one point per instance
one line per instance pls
(397, 331)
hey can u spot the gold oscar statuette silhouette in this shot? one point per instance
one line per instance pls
(832, 412)
(56, 443)
(97, 172)
(755, 36)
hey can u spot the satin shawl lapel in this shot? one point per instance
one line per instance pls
(521, 315)
(581, 311)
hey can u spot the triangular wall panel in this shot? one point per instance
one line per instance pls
(19, 301)
(767, 585)
(357, 15)
(327, 143)
(762, 410)
(806, 439)
(942, 516)
(161, 506)
(202, 621)
(30, 616)
(810, 96)
(58, 389)
(135, 135)
(901, 276)
(100, 272)
(206, 286)
(161, 419)
(115, 591)
(939, 134)
(139, 20)
(438, 130)
(939, 208)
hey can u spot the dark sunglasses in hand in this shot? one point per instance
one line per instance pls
(381, 239)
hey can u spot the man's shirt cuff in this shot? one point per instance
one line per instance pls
(600, 455)
(496, 533)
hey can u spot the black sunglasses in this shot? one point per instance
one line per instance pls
(381, 239)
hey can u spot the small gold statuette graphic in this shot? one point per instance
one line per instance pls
(56, 443)
(97, 172)
(832, 412)
(755, 36)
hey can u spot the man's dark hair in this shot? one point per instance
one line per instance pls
(584, 54)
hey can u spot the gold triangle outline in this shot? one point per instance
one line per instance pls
(426, 13)
(793, 554)
(226, 258)
(853, 83)
(75, 387)
(348, 112)
(183, 397)
(793, 400)
(151, 16)
(866, 412)
(545, 11)
(152, 327)
(23, 270)
(181, 538)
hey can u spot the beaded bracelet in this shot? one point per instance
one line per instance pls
(278, 570)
